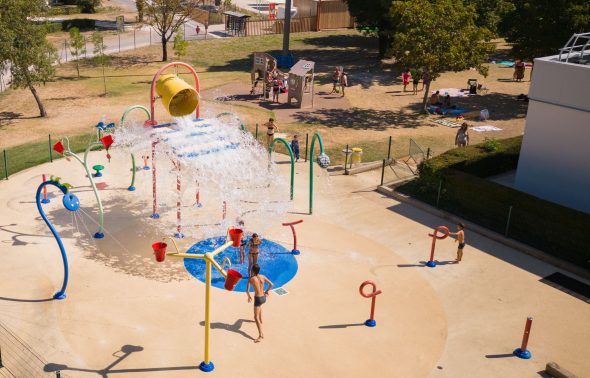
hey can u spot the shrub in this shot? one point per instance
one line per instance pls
(81, 23)
(491, 145)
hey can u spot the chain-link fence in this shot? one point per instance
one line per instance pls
(549, 227)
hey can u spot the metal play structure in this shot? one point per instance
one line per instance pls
(71, 203)
(301, 79)
(105, 141)
(232, 277)
(288, 146)
(121, 124)
(323, 161)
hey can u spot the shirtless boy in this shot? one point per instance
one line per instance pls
(253, 245)
(460, 234)
(257, 281)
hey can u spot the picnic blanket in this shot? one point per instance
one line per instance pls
(453, 92)
(447, 123)
(433, 109)
(484, 128)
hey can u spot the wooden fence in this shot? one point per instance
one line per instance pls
(266, 27)
(334, 15)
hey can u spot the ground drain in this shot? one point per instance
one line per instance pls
(280, 291)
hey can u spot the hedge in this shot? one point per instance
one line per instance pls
(552, 228)
(63, 10)
(65, 25)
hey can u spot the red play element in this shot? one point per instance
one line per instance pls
(150, 123)
(101, 185)
(232, 279)
(371, 295)
(525, 335)
(107, 140)
(434, 237)
(291, 224)
(159, 250)
(235, 234)
(59, 147)
(44, 189)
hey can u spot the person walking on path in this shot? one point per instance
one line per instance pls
(406, 77)
(343, 82)
(295, 146)
(462, 137)
(271, 128)
(257, 281)
(335, 80)
(460, 234)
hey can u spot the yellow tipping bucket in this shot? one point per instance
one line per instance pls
(178, 97)
(357, 155)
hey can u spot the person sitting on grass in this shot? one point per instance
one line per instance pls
(447, 101)
(435, 99)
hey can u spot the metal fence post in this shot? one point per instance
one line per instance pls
(85, 46)
(1, 366)
(428, 152)
(134, 47)
(382, 172)
(58, 374)
(388, 151)
(438, 195)
(50, 152)
(346, 160)
(150, 36)
(66, 49)
(256, 135)
(119, 35)
(306, 143)
(508, 220)
(5, 165)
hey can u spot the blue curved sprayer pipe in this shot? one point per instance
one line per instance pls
(71, 203)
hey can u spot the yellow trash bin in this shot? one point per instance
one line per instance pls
(357, 155)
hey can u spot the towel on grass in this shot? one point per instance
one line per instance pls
(453, 92)
(483, 128)
(447, 123)
(433, 109)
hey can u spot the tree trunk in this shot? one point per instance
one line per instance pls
(42, 111)
(425, 98)
(384, 42)
(78, 67)
(164, 49)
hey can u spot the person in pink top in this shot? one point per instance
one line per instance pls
(406, 77)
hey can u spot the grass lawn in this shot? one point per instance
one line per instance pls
(374, 108)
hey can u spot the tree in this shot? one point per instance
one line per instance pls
(541, 27)
(77, 46)
(166, 16)
(438, 36)
(140, 5)
(87, 6)
(490, 12)
(180, 45)
(23, 47)
(373, 17)
(99, 54)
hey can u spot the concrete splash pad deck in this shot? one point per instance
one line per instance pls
(430, 322)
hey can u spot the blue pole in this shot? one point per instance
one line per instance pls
(61, 294)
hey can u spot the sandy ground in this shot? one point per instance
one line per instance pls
(452, 321)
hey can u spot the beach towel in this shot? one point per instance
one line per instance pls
(484, 128)
(433, 109)
(447, 123)
(506, 63)
(453, 92)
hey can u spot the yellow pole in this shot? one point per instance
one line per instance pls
(207, 321)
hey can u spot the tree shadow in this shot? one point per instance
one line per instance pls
(236, 327)
(502, 106)
(362, 119)
(122, 354)
(13, 115)
(16, 236)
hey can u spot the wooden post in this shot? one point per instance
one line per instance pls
(389, 149)
(346, 160)
(5, 165)
(382, 172)
(50, 150)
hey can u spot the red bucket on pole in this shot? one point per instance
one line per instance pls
(159, 250)
(235, 234)
(232, 279)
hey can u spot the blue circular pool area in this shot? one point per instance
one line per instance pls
(276, 262)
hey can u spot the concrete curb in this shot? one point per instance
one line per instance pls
(521, 247)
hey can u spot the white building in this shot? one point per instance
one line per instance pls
(554, 161)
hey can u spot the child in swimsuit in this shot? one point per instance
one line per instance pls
(253, 245)
(243, 242)
(295, 147)
(460, 234)
(271, 129)
(257, 281)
